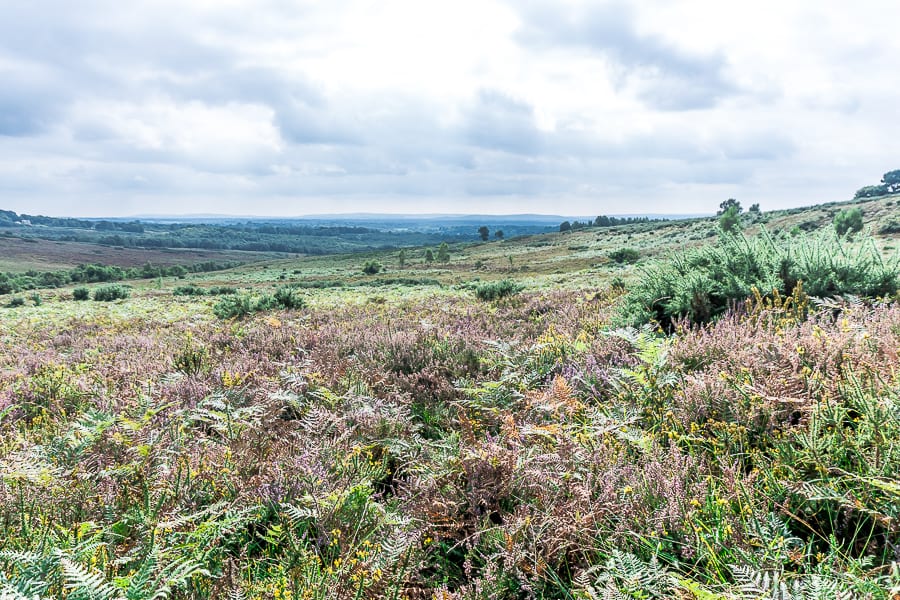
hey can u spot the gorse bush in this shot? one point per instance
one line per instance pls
(288, 298)
(700, 284)
(15, 302)
(81, 293)
(221, 290)
(235, 306)
(188, 290)
(496, 290)
(108, 293)
(624, 255)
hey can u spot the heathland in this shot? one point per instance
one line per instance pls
(681, 409)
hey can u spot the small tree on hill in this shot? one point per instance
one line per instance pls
(498, 234)
(443, 253)
(892, 180)
(484, 232)
(429, 256)
(565, 226)
(730, 220)
(729, 204)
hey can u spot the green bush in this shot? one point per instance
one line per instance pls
(81, 293)
(371, 267)
(892, 226)
(497, 289)
(234, 306)
(848, 221)
(189, 290)
(624, 255)
(702, 283)
(15, 302)
(108, 293)
(221, 290)
(288, 298)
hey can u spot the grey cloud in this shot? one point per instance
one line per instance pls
(499, 122)
(664, 76)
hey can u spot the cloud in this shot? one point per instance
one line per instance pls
(496, 121)
(285, 107)
(663, 75)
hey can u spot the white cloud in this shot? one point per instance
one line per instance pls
(582, 107)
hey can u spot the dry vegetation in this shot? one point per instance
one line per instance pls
(396, 437)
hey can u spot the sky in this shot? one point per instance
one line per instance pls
(288, 108)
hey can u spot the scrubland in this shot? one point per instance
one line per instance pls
(525, 421)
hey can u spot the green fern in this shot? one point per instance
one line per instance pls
(771, 585)
(87, 585)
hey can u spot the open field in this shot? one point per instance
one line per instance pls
(418, 434)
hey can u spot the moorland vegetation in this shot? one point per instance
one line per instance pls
(651, 410)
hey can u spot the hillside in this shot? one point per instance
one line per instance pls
(476, 428)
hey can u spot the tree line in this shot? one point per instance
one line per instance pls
(11, 283)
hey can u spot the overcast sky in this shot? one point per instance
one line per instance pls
(283, 107)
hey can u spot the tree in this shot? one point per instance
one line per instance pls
(484, 232)
(872, 191)
(443, 253)
(565, 226)
(401, 258)
(754, 208)
(498, 234)
(429, 256)
(848, 222)
(892, 180)
(730, 219)
(729, 204)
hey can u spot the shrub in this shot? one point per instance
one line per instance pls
(286, 297)
(108, 293)
(234, 306)
(497, 289)
(624, 255)
(848, 221)
(892, 226)
(371, 267)
(15, 302)
(872, 191)
(36, 299)
(81, 293)
(191, 358)
(700, 284)
(221, 290)
(188, 290)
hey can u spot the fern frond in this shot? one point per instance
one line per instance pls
(87, 585)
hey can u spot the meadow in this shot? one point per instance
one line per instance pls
(532, 418)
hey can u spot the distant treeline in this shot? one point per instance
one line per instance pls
(9, 218)
(249, 236)
(11, 283)
(604, 221)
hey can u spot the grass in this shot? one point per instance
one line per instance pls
(405, 440)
